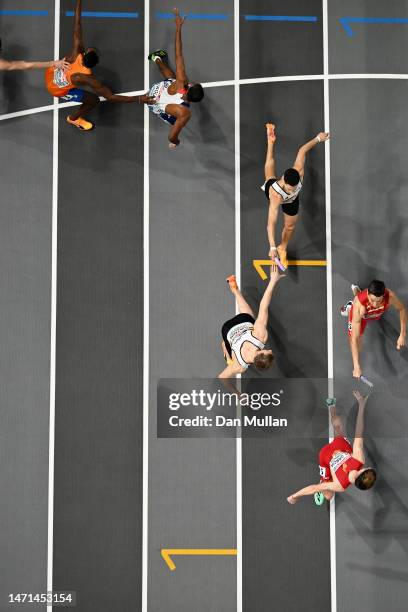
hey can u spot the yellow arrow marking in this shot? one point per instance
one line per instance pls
(259, 263)
(166, 552)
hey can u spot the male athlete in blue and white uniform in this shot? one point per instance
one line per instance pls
(174, 94)
(284, 192)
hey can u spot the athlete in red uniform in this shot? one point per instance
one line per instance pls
(68, 83)
(341, 464)
(370, 305)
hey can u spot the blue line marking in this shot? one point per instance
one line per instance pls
(102, 14)
(280, 18)
(346, 21)
(197, 16)
(22, 12)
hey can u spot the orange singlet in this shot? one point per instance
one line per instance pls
(58, 81)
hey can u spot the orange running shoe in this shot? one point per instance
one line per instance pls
(81, 123)
(283, 256)
(232, 282)
(270, 132)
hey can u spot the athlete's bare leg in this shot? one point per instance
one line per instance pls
(165, 70)
(243, 305)
(270, 171)
(89, 102)
(288, 230)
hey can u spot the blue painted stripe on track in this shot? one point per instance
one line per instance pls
(23, 12)
(280, 18)
(105, 14)
(197, 16)
(346, 21)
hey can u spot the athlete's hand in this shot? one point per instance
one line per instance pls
(360, 397)
(275, 274)
(179, 20)
(62, 64)
(273, 252)
(146, 99)
(292, 500)
(357, 372)
(172, 145)
(401, 342)
(323, 136)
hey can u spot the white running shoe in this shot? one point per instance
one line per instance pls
(345, 309)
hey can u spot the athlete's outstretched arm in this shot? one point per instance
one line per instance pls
(300, 160)
(317, 488)
(78, 45)
(104, 91)
(274, 205)
(355, 337)
(358, 445)
(398, 305)
(181, 77)
(23, 65)
(262, 318)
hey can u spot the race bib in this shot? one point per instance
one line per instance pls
(338, 460)
(60, 79)
(322, 471)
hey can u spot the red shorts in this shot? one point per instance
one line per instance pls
(326, 453)
(363, 324)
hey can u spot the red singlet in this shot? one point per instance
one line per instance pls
(338, 456)
(371, 313)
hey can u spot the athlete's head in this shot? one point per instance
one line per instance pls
(376, 291)
(91, 57)
(365, 479)
(195, 92)
(263, 359)
(291, 178)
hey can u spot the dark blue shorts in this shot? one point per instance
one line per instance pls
(74, 95)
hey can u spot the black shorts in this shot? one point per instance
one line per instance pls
(291, 209)
(239, 318)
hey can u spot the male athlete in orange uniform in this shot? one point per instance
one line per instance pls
(67, 83)
(341, 464)
(370, 305)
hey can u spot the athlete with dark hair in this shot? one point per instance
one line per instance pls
(67, 83)
(243, 336)
(341, 464)
(284, 192)
(370, 305)
(174, 94)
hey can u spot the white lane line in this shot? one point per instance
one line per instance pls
(237, 147)
(54, 234)
(334, 77)
(282, 79)
(329, 277)
(276, 79)
(146, 320)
